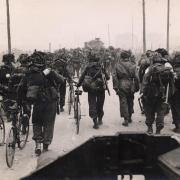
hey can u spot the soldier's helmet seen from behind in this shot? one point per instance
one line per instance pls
(93, 57)
(125, 55)
(38, 59)
(162, 51)
(8, 58)
(23, 59)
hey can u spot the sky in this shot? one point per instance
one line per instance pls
(69, 23)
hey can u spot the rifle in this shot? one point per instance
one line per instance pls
(105, 83)
(140, 104)
(167, 94)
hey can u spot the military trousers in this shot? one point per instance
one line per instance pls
(62, 91)
(175, 107)
(43, 119)
(126, 105)
(154, 112)
(96, 103)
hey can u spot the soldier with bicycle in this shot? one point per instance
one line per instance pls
(92, 82)
(60, 65)
(39, 87)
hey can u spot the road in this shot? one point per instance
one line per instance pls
(65, 138)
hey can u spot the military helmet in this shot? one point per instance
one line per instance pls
(125, 54)
(8, 58)
(23, 58)
(162, 51)
(93, 57)
(38, 58)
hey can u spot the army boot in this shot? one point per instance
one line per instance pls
(158, 130)
(38, 149)
(96, 126)
(150, 130)
(177, 128)
(100, 122)
(130, 120)
(125, 123)
(61, 109)
(45, 147)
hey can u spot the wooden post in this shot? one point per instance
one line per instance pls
(8, 27)
(109, 41)
(144, 26)
(168, 14)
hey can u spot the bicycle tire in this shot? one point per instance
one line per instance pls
(77, 114)
(78, 118)
(69, 103)
(10, 147)
(2, 131)
(23, 135)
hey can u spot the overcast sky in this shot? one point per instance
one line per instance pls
(69, 23)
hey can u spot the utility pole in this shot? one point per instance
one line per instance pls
(144, 26)
(109, 40)
(49, 47)
(132, 33)
(8, 27)
(168, 14)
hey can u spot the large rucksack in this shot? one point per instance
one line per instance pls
(160, 74)
(160, 78)
(176, 67)
(39, 88)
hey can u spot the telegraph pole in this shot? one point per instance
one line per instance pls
(8, 27)
(144, 26)
(132, 33)
(109, 40)
(49, 47)
(168, 14)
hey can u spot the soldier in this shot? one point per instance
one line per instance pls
(96, 92)
(125, 83)
(174, 101)
(157, 87)
(39, 87)
(5, 73)
(60, 65)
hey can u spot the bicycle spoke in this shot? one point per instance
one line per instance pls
(10, 148)
(2, 132)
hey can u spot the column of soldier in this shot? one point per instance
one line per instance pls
(39, 78)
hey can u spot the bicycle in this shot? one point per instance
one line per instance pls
(18, 133)
(77, 108)
(70, 98)
(2, 124)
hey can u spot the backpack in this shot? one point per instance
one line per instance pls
(176, 68)
(39, 89)
(160, 74)
(160, 77)
(92, 84)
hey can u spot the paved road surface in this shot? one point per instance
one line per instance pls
(65, 138)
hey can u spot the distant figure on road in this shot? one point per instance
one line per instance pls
(125, 83)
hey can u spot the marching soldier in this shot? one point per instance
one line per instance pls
(39, 87)
(60, 65)
(157, 88)
(125, 83)
(95, 88)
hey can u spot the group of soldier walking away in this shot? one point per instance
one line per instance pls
(38, 82)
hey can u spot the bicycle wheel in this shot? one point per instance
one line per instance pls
(23, 131)
(77, 115)
(78, 118)
(69, 102)
(2, 131)
(10, 147)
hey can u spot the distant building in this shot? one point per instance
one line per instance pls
(94, 44)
